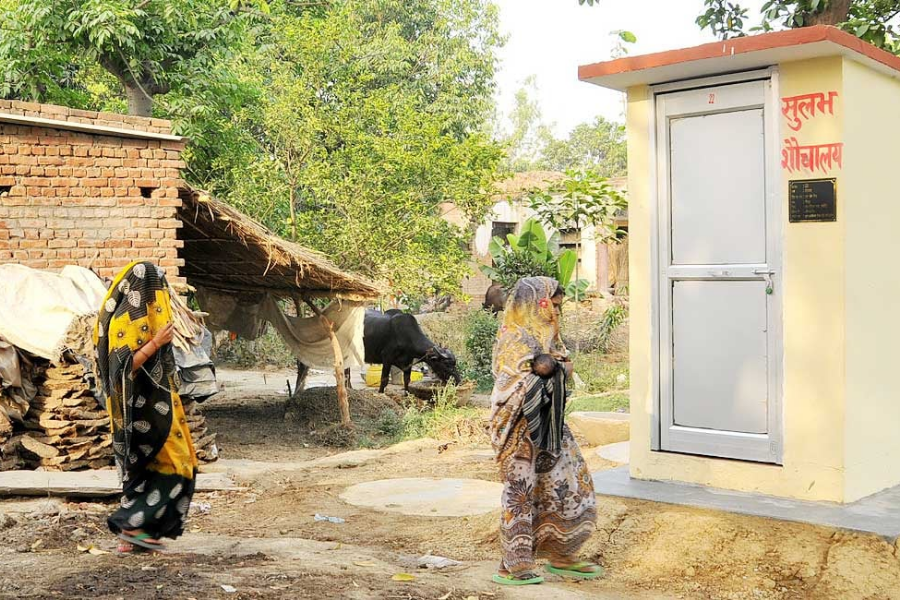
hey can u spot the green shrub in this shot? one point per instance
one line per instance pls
(389, 423)
(600, 372)
(533, 254)
(614, 316)
(481, 331)
(615, 402)
(445, 420)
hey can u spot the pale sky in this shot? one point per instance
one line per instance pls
(550, 38)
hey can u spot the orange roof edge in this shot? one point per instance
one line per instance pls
(734, 47)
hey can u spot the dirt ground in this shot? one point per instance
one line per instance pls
(264, 542)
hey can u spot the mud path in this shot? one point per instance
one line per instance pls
(265, 542)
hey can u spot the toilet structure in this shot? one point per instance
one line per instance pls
(764, 188)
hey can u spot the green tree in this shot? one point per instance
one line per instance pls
(875, 21)
(367, 121)
(527, 135)
(599, 147)
(150, 47)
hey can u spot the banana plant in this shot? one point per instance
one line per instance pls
(533, 254)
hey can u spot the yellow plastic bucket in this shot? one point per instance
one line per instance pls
(373, 376)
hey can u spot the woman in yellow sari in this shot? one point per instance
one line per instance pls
(549, 507)
(152, 442)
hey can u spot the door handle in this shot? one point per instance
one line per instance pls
(767, 276)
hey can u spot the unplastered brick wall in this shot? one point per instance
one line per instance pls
(88, 198)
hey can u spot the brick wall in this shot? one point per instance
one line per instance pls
(80, 198)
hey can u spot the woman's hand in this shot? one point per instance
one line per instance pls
(164, 335)
(568, 366)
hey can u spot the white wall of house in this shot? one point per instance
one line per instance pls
(594, 256)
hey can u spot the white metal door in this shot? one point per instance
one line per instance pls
(719, 273)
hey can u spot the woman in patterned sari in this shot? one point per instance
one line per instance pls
(152, 443)
(549, 508)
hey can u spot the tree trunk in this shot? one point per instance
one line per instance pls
(835, 12)
(343, 398)
(139, 103)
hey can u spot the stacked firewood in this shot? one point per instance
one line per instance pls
(65, 428)
(204, 440)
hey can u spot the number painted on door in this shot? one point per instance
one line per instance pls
(712, 98)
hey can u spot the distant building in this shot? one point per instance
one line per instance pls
(605, 265)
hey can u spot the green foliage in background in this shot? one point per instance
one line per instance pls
(531, 145)
(481, 332)
(66, 52)
(370, 121)
(598, 146)
(268, 349)
(613, 317)
(874, 21)
(532, 254)
(582, 199)
(342, 124)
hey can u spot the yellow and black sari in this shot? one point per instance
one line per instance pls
(152, 443)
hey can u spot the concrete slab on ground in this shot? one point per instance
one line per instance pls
(87, 484)
(427, 497)
(617, 453)
(601, 428)
(876, 514)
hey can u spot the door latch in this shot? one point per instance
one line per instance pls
(767, 276)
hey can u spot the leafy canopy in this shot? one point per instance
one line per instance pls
(598, 146)
(50, 49)
(875, 21)
(583, 199)
(368, 121)
(343, 124)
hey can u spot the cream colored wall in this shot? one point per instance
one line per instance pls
(813, 293)
(868, 195)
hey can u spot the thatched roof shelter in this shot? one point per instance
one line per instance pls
(227, 250)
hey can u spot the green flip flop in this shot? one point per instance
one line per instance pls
(577, 571)
(140, 540)
(511, 579)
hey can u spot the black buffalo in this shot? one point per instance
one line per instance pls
(395, 339)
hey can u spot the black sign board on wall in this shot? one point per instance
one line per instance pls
(812, 201)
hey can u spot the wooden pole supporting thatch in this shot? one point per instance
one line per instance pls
(343, 398)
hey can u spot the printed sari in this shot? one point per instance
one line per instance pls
(549, 507)
(152, 443)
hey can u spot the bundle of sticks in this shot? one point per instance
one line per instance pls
(65, 428)
(188, 324)
(16, 389)
(204, 440)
